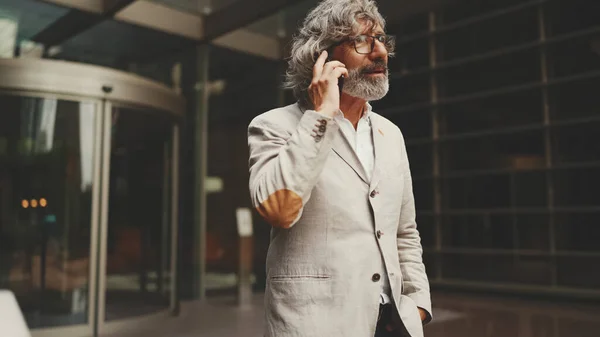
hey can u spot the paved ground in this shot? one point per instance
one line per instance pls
(218, 317)
(455, 316)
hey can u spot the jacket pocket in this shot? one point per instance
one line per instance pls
(299, 278)
(299, 305)
(300, 289)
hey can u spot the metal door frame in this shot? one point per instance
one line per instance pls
(87, 329)
(104, 87)
(102, 327)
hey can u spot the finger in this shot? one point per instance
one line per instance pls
(338, 72)
(329, 66)
(318, 67)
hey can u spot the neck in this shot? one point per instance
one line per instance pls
(353, 108)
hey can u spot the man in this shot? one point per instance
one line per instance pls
(332, 178)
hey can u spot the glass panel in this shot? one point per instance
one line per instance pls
(20, 21)
(481, 191)
(411, 55)
(431, 261)
(575, 271)
(522, 231)
(46, 170)
(420, 156)
(426, 227)
(567, 16)
(533, 232)
(519, 189)
(415, 125)
(518, 150)
(493, 113)
(577, 187)
(423, 192)
(578, 232)
(529, 189)
(410, 26)
(500, 72)
(407, 90)
(572, 101)
(196, 6)
(576, 143)
(128, 46)
(494, 268)
(464, 11)
(138, 247)
(498, 32)
(575, 56)
(478, 231)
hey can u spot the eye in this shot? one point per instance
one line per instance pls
(381, 38)
(361, 39)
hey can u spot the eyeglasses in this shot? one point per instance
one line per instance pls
(364, 44)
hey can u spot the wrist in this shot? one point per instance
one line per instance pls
(328, 111)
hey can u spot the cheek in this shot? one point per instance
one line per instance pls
(352, 60)
(356, 63)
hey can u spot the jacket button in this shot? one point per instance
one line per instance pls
(379, 234)
(373, 194)
(376, 277)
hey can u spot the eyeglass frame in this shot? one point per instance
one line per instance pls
(373, 38)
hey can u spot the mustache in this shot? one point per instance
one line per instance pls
(374, 66)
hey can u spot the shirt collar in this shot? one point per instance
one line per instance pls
(366, 114)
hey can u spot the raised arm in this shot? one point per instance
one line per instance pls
(286, 158)
(285, 165)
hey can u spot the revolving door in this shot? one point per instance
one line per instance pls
(88, 196)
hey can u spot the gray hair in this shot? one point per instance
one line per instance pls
(329, 22)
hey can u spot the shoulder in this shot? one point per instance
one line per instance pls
(282, 118)
(388, 127)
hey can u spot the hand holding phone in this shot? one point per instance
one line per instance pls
(326, 86)
(341, 78)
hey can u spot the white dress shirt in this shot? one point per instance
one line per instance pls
(361, 140)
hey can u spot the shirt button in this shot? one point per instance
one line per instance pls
(376, 277)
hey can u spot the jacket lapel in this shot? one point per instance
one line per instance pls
(378, 145)
(342, 147)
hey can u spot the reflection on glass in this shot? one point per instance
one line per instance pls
(138, 259)
(45, 207)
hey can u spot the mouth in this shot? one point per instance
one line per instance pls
(375, 71)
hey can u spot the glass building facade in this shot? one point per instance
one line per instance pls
(497, 102)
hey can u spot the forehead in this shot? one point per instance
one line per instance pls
(366, 27)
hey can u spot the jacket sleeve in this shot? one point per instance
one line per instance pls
(286, 162)
(410, 251)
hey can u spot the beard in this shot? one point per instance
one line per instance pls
(370, 88)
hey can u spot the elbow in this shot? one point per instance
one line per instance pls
(280, 209)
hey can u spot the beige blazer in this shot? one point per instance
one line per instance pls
(334, 232)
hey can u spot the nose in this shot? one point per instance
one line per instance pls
(379, 50)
